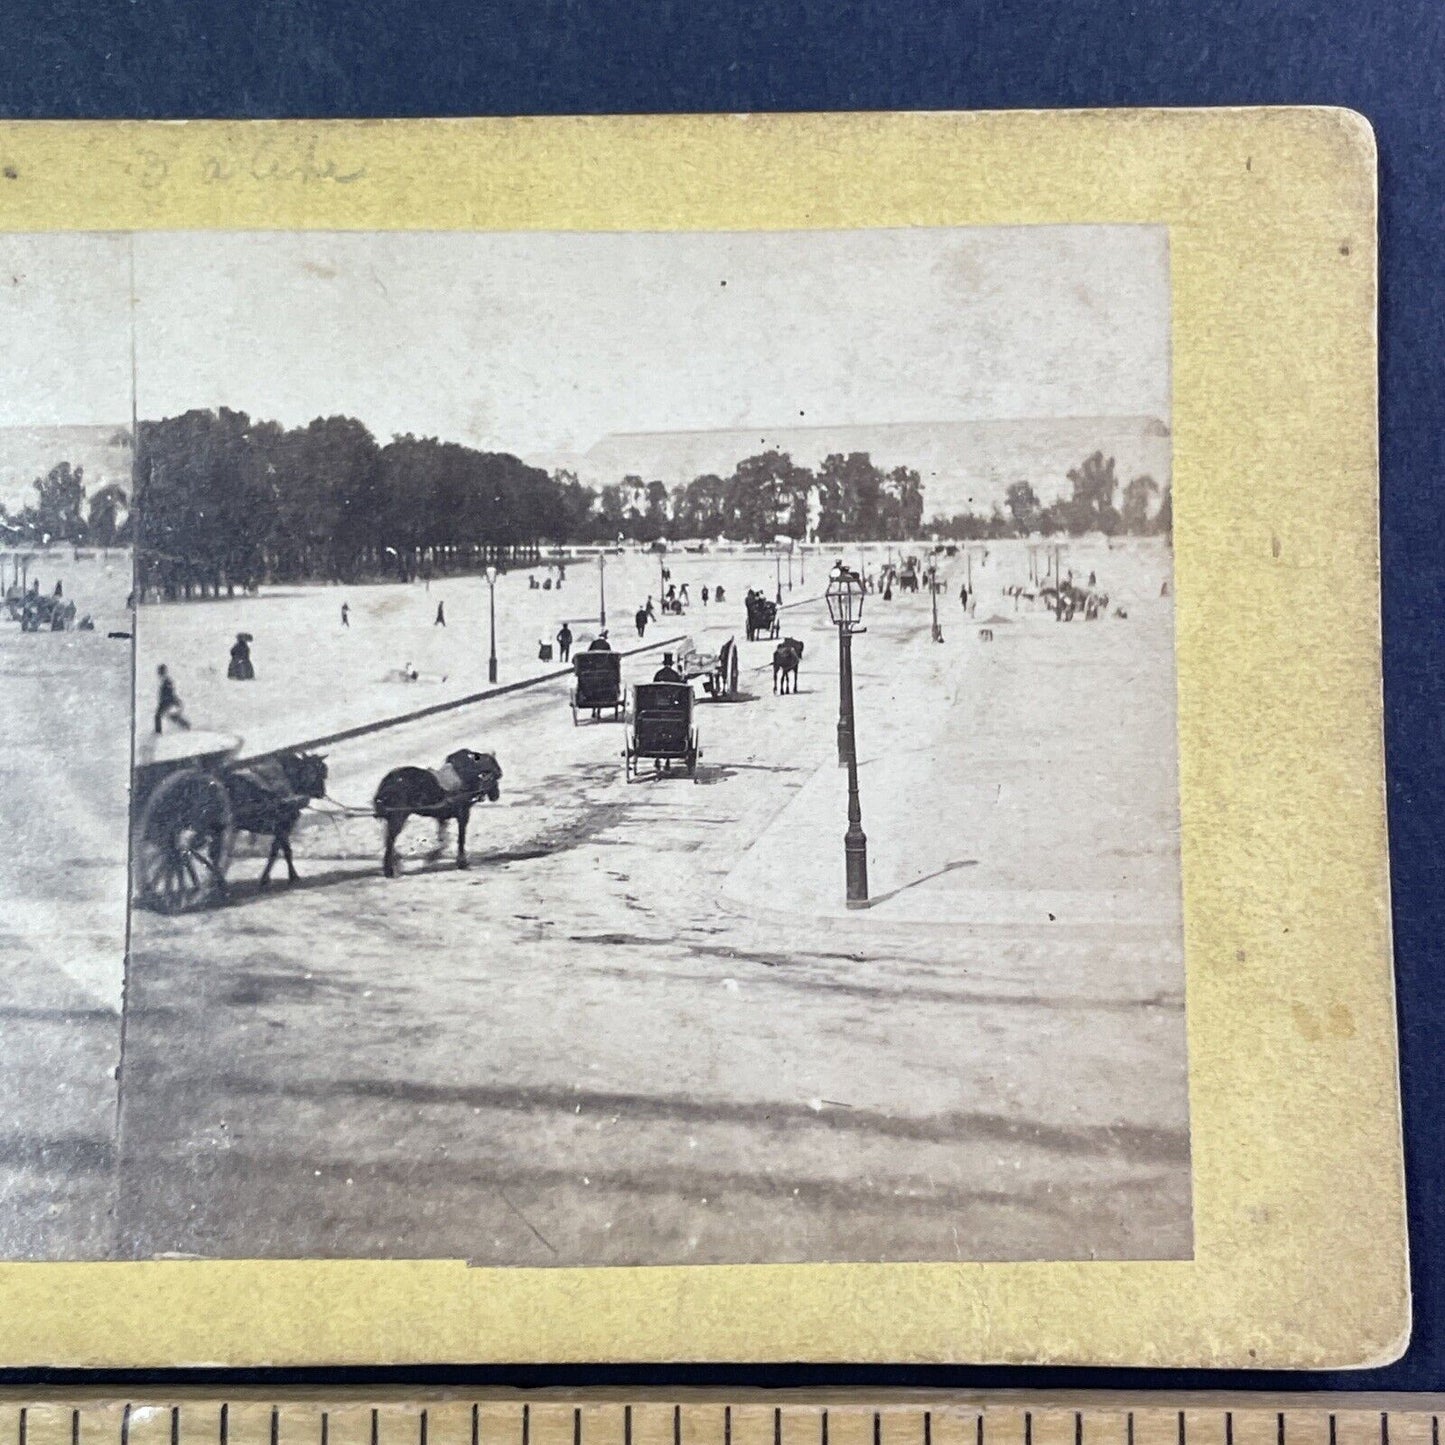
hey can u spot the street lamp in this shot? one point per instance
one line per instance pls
(601, 590)
(845, 606)
(778, 563)
(790, 566)
(933, 585)
(492, 600)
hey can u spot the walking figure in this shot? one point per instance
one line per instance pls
(346, 614)
(704, 594)
(564, 642)
(641, 619)
(651, 615)
(168, 702)
(718, 595)
(682, 592)
(441, 617)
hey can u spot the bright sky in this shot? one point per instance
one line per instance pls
(548, 342)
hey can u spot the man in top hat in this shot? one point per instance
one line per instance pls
(667, 672)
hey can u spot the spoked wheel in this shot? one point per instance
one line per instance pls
(731, 681)
(183, 843)
(574, 708)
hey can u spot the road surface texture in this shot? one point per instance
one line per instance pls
(642, 1028)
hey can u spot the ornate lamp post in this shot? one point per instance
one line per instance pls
(601, 590)
(845, 606)
(492, 601)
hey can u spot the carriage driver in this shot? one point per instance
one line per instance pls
(667, 672)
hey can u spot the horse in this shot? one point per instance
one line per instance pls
(447, 792)
(268, 797)
(786, 657)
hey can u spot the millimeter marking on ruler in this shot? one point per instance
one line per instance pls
(189, 1417)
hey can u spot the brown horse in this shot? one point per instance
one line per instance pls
(786, 657)
(267, 798)
(447, 792)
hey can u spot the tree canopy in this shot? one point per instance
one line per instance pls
(222, 499)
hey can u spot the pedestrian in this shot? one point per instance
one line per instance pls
(561, 574)
(718, 595)
(888, 589)
(168, 702)
(441, 617)
(564, 642)
(346, 614)
(241, 668)
(1093, 581)
(641, 620)
(651, 615)
(704, 594)
(682, 592)
(963, 596)
(59, 589)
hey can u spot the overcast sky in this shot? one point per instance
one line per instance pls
(547, 342)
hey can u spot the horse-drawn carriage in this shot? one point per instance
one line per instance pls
(182, 824)
(718, 670)
(39, 611)
(763, 618)
(1067, 599)
(598, 684)
(660, 728)
(189, 799)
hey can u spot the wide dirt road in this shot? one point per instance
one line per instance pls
(642, 1029)
(64, 765)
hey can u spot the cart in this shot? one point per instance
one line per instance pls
(717, 670)
(661, 729)
(182, 827)
(598, 684)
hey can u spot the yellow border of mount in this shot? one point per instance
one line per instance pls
(1299, 1224)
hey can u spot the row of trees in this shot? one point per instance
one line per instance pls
(223, 500)
(1142, 510)
(768, 496)
(61, 512)
(226, 501)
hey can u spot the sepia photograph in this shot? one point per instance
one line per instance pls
(580, 749)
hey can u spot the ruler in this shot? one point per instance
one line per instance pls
(446, 1417)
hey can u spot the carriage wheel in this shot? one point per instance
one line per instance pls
(731, 681)
(183, 843)
(692, 757)
(574, 707)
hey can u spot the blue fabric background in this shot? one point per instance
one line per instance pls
(173, 58)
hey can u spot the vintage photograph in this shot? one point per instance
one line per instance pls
(567, 749)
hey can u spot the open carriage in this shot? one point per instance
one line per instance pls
(182, 826)
(718, 671)
(598, 684)
(661, 729)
